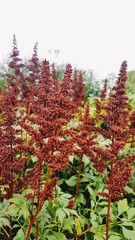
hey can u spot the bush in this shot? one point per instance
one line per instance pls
(67, 169)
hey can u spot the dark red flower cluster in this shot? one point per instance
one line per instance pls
(78, 89)
(12, 161)
(35, 110)
(116, 129)
(103, 93)
(113, 114)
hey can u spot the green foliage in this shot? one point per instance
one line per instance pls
(57, 221)
(131, 87)
(122, 206)
(60, 73)
(131, 83)
(92, 207)
(20, 235)
(92, 85)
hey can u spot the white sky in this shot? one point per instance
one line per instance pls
(94, 34)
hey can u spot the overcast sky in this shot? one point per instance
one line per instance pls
(94, 34)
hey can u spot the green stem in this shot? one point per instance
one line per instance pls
(5, 232)
(87, 230)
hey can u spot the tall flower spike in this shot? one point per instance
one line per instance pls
(100, 103)
(66, 85)
(33, 65)
(15, 60)
(15, 51)
(54, 78)
(81, 86)
(103, 93)
(117, 114)
(12, 162)
(78, 88)
(116, 130)
(33, 75)
(15, 78)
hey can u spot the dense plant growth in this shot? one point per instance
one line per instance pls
(66, 162)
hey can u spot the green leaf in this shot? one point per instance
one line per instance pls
(24, 211)
(131, 212)
(27, 191)
(114, 237)
(96, 237)
(80, 198)
(4, 222)
(78, 226)
(103, 203)
(92, 193)
(60, 214)
(49, 226)
(66, 195)
(104, 211)
(17, 199)
(129, 190)
(59, 236)
(67, 224)
(51, 237)
(71, 159)
(128, 234)
(82, 221)
(122, 206)
(72, 181)
(69, 211)
(92, 204)
(20, 235)
(95, 225)
(13, 210)
(16, 226)
(73, 212)
(85, 160)
(93, 217)
(63, 202)
(85, 179)
(4, 205)
(126, 223)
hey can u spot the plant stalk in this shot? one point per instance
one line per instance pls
(32, 219)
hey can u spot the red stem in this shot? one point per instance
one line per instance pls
(32, 219)
(37, 230)
(108, 217)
